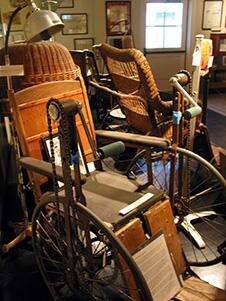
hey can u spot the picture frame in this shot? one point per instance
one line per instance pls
(223, 60)
(17, 36)
(57, 152)
(83, 43)
(75, 24)
(212, 14)
(67, 4)
(17, 23)
(47, 150)
(118, 18)
(120, 41)
(115, 41)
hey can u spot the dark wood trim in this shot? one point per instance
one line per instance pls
(162, 52)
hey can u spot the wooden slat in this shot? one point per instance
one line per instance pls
(160, 217)
(47, 90)
(132, 236)
(195, 289)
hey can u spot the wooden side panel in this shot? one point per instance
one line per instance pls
(34, 119)
(160, 217)
(132, 236)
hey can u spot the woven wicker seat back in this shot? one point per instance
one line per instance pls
(132, 74)
(43, 62)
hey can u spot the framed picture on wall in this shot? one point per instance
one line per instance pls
(47, 149)
(224, 60)
(212, 14)
(115, 41)
(17, 36)
(86, 43)
(74, 24)
(118, 18)
(67, 4)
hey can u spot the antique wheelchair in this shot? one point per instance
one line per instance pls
(77, 253)
(132, 76)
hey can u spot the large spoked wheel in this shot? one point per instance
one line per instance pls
(199, 201)
(93, 265)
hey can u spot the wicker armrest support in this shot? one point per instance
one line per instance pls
(43, 168)
(134, 139)
(118, 94)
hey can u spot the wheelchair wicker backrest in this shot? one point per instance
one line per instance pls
(131, 74)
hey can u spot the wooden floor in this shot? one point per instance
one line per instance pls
(216, 122)
(217, 102)
(216, 275)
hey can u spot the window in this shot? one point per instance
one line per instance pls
(165, 25)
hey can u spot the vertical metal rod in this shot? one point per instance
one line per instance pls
(197, 56)
(90, 140)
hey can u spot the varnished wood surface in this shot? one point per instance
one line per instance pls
(195, 289)
(160, 218)
(29, 112)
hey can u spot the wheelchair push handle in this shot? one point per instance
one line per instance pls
(195, 109)
(111, 150)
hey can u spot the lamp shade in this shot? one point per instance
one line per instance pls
(41, 25)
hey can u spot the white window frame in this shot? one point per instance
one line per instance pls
(184, 28)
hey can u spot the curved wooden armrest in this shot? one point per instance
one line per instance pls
(118, 94)
(134, 139)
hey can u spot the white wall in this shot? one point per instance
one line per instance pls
(97, 21)
(80, 6)
(195, 26)
(162, 66)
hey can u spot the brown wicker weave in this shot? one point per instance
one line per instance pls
(131, 74)
(43, 62)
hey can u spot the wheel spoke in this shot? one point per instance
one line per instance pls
(97, 272)
(203, 193)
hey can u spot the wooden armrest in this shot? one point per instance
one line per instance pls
(44, 168)
(134, 139)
